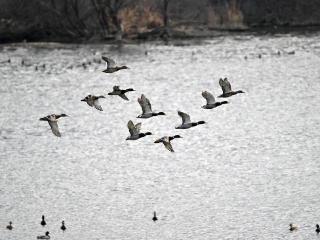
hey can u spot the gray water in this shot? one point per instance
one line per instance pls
(246, 174)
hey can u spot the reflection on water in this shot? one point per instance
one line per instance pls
(246, 174)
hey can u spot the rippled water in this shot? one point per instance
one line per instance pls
(246, 174)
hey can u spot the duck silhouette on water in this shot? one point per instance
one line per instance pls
(154, 216)
(146, 108)
(211, 102)
(46, 236)
(317, 228)
(226, 88)
(121, 92)
(292, 227)
(135, 131)
(10, 227)
(111, 65)
(43, 222)
(63, 227)
(53, 122)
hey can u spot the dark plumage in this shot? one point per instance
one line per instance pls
(121, 92)
(154, 217)
(43, 222)
(10, 227)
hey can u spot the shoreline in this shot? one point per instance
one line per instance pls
(193, 34)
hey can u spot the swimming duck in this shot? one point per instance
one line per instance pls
(53, 122)
(146, 108)
(46, 236)
(292, 227)
(154, 217)
(211, 102)
(167, 141)
(135, 131)
(121, 93)
(317, 228)
(186, 121)
(93, 101)
(43, 222)
(10, 227)
(63, 227)
(111, 65)
(226, 88)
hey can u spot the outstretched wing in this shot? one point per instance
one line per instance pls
(116, 88)
(123, 96)
(110, 62)
(209, 97)
(134, 129)
(185, 117)
(145, 104)
(225, 85)
(54, 128)
(168, 146)
(97, 105)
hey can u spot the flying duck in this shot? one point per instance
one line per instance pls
(226, 88)
(135, 131)
(146, 108)
(63, 227)
(43, 222)
(167, 141)
(186, 121)
(292, 227)
(10, 227)
(121, 93)
(111, 65)
(93, 101)
(46, 236)
(154, 217)
(53, 122)
(211, 102)
(317, 228)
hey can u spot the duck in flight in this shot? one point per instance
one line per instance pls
(167, 141)
(226, 88)
(211, 102)
(53, 122)
(10, 227)
(186, 121)
(111, 65)
(135, 131)
(121, 93)
(146, 108)
(46, 236)
(93, 101)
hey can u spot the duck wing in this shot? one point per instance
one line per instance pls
(110, 62)
(145, 104)
(54, 128)
(134, 129)
(185, 117)
(225, 85)
(123, 96)
(116, 88)
(168, 146)
(97, 105)
(209, 97)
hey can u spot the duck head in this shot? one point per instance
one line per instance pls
(240, 91)
(47, 233)
(177, 136)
